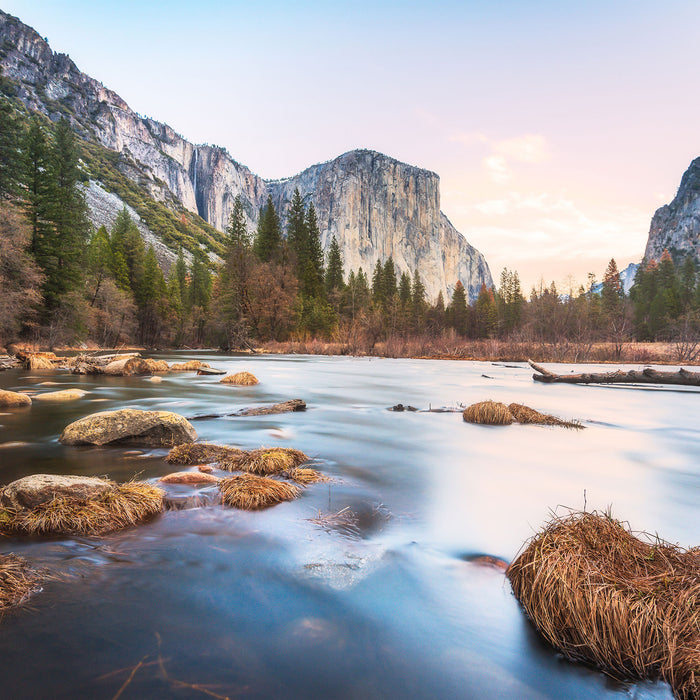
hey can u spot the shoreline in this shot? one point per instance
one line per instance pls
(656, 353)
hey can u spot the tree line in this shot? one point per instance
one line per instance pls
(62, 282)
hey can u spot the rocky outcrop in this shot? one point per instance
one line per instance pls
(378, 207)
(676, 226)
(129, 426)
(374, 205)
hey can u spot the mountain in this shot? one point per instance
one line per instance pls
(182, 193)
(676, 226)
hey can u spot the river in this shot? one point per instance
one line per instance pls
(215, 602)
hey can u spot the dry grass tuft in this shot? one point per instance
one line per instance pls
(305, 476)
(526, 415)
(488, 413)
(201, 453)
(123, 506)
(240, 379)
(629, 604)
(39, 361)
(270, 460)
(17, 580)
(250, 492)
(189, 366)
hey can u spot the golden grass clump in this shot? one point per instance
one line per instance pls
(305, 476)
(250, 492)
(39, 361)
(526, 415)
(488, 413)
(266, 460)
(189, 366)
(122, 506)
(201, 453)
(17, 580)
(240, 379)
(600, 594)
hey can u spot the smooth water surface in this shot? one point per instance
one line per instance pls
(215, 602)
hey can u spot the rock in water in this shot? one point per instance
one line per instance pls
(32, 491)
(64, 395)
(129, 426)
(14, 398)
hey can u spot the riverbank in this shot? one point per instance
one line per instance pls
(490, 350)
(501, 351)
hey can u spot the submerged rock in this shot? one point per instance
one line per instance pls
(37, 489)
(63, 395)
(14, 398)
(284, 407)
(129, 426)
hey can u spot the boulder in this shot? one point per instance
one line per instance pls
(190, 478)
(64, 395)
(129, 426)
(14, 398)
(131, 366)
(33, 491)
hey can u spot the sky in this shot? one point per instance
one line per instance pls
(557, 128)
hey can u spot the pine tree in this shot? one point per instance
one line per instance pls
(334, 268)
(297, 231)
(10, 155)
(611, 294)
(457, 314)
(35, 166)
(181, 275)
(268, 237)
(200, 281)
(237, 230)
(389, 279)
(378, 290)
(67, 212)
(418, 303)
(312, 283)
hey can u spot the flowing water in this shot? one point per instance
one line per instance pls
(289, 603)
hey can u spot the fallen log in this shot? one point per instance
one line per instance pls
(647, 375)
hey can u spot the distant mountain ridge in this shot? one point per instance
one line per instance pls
(375, 205)
(676, 226)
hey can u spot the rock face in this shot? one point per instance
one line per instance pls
(33, 491)
(373, 204)
(129, 426)
(377, 207)
(676, 226)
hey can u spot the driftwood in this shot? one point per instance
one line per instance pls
(8, 362)
(644, 376)
(291, 406)
(210, 370)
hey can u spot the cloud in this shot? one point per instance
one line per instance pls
(497, 168)
(529, 148)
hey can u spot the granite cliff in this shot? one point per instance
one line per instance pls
(373, 204)
(676, 226)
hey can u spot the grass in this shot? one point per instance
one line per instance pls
(189, 366)
(266, 460)
(250, 492)
(17, 580)
(529, 416)
(122, 506)
(625, 602)
(305, 476)
(488, 413)
(201, 453)
(240, 379)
